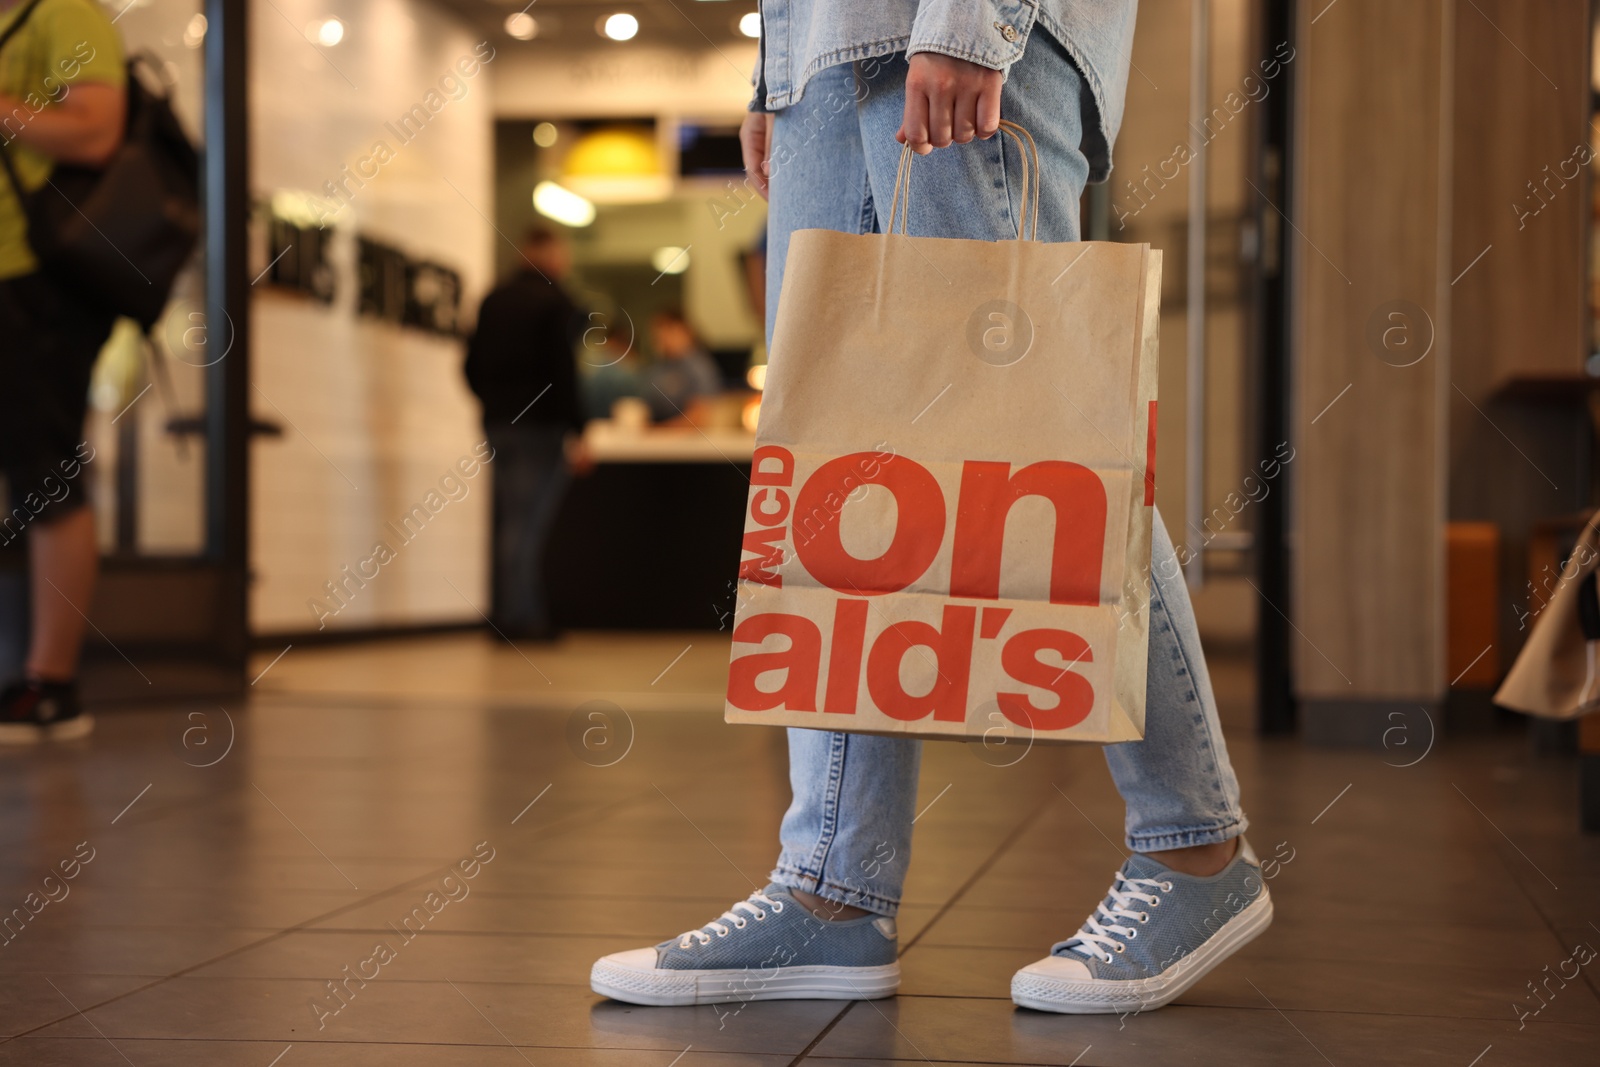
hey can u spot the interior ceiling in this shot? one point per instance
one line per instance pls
(571, 23)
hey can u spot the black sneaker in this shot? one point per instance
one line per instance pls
(32, 710)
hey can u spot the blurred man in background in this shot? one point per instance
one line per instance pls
(520, 364)
(62, 100)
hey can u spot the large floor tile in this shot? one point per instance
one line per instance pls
(96, 1051)
(449, 1012)
(983, 1031)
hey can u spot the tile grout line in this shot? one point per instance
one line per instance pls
(1590, 980)
(983, 868)
(826, 1030)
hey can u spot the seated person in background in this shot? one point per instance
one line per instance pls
(610, 371)
(682, 372)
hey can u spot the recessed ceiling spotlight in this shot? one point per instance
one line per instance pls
(670, 259)
(750, 24)
(522, 26)
(619, 27)
(326, 32)
(562, 204)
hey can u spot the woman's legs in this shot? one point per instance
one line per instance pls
(847, 834)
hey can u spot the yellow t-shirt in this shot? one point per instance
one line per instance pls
(63, 44)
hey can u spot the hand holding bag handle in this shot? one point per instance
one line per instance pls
(1031, 179)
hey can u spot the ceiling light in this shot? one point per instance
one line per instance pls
(194, 34)
(545, 134)
(750, 24)
(565, 206)
(619, 27)
(327, 32)
(522, 26)
(670, 259)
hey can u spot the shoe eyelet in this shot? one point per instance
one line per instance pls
(1121, 949)
(777, 909)
(722, 933)
(740, 925)
(1132, 934)
(1156, 903)
(761, 916)
(1144, 916)
(1166, 887)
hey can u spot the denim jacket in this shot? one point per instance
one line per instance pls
(801, 37)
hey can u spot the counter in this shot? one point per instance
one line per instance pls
(649, 540)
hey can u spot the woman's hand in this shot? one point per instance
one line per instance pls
(755, 144)
(948, 101)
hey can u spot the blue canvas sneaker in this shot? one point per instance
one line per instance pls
(1157, 933)
(765, 948)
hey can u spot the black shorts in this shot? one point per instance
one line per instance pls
(48, 343)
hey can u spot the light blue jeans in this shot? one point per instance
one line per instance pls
(847, 835)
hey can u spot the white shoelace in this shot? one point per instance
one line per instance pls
(1099, 934)
(732, 919)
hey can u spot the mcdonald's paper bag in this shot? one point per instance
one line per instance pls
(948, 531)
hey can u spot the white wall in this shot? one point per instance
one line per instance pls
(632, 79)
(373, 415)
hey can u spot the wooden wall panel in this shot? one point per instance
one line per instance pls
(1521, 123)
(1372, 219)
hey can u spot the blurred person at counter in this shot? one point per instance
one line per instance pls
(683, 372)
(610, 373)
(521, 365)
(62, 101)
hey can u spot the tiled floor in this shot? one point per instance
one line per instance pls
(229, 883)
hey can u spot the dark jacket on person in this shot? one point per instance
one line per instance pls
(520, 360)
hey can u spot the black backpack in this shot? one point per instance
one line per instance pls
(119, 234)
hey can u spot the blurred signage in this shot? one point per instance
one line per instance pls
(301, 261)
(407, 292)
(391, 286)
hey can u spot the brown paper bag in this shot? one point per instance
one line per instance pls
(1557, 673)
(948, 531)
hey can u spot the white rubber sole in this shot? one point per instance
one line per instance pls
(1113, 997)
(666, 988)
(27, 733)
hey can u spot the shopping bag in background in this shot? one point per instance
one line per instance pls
(1557, 673)
(948, 531)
